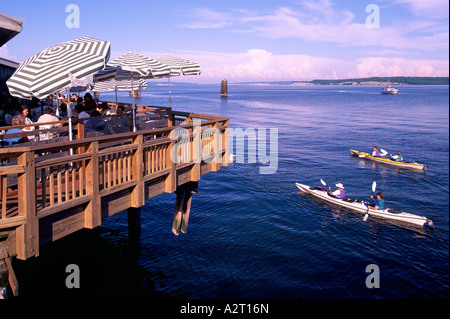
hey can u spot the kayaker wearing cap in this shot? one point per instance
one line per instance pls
(398, 157)
(339, 192)
(376, 152)
(379, 203)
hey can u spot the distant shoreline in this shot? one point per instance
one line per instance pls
(400, 80)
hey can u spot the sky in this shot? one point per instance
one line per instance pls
(252, 40)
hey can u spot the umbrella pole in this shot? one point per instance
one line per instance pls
(170, 97)
(57, 105)
(116, 97)
(133, 106)
(69, 114)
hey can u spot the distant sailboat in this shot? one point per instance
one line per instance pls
(224, 88)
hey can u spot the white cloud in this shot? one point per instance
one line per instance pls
(320, 21)
(428, 8)
(382, 66)
(208, 19)
(262, 65)
(4, 53)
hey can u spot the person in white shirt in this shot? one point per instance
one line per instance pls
(339, 192)
(45, 118)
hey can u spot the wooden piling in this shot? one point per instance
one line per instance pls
(183, 207)
(134, 220)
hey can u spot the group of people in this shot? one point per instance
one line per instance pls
(379, 203)
(398, 157)
(340, 193)
(83, 108)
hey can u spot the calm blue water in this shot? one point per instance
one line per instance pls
(256, 236)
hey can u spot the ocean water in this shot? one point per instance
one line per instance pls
(255, 236)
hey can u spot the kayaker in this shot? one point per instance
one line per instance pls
(376, 152)
(398, 157)
(339, 192)
(379, 203)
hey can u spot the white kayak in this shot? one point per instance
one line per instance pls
(358, 205)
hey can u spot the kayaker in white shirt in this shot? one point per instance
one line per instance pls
(398, 157)
(339, 192)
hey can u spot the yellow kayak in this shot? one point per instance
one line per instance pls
(386, 160)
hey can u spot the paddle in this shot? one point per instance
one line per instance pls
(374, 187)
(382, 153)
(324, 184)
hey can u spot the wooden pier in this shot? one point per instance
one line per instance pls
(51, 190)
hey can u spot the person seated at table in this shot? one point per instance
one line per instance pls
(89, 103)
(16, 120)
(47, 117)
(121, 120)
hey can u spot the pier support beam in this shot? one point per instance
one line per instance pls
(183, 207)
(134, 221)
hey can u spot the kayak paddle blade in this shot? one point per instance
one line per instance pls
(374, 186)
(323, 182)
(365, 217)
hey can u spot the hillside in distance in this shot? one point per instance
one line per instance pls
(395, 80)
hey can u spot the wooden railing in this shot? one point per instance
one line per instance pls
(38, 182)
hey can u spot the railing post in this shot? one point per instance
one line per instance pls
(138, 195)
(171, 180)
(217, 148)
(196, 151)
(92, 215)
(171, 120)
(226, 143)
(27, 234)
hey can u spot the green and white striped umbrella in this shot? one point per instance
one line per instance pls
(114, 77)
(141, 66)
(48, 71)
(180, 66)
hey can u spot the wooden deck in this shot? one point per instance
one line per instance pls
(51, 190)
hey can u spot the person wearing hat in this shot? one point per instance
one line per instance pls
(339, 192)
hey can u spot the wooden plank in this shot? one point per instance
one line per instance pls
(12, 222)
(50, 210)
(4, 194)
(93, 210)
(196, 152)
(117, 188)
(14, 284)
(137, 194)
(27, 234)
(171, 180)
(13, 169)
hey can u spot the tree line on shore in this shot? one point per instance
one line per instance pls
(395, 80)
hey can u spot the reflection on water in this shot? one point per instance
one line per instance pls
(255, 236)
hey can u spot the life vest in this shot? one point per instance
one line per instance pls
(380, 204)
(341, 194)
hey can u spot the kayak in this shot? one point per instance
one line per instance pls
(386, 160)
(358, 206)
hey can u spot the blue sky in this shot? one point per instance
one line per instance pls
(253, 40)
